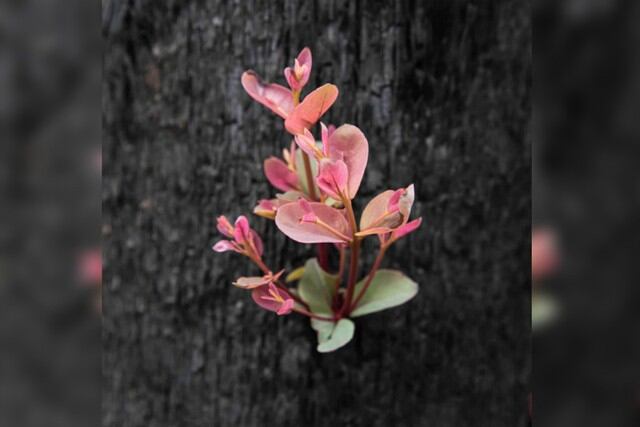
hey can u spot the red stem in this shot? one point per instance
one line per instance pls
(322, 250)
(312, 315)
(353, 274)
(370, 276)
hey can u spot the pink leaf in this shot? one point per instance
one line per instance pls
(268, 208)
(286, 307)
(277, 98)
(273, 299)
(348, 143)
(333, 177)
(407, 228)
(224, 226)
(309, 111)
(307, 143)
(279, 174)
(334, 227)
(224, 246)
(241, 232)
(376, 213)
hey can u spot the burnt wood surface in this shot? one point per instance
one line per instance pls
(441, 89)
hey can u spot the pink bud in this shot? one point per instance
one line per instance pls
(241, 232)
(224, 226)
(298, 76)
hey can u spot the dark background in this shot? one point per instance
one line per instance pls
(442, 91)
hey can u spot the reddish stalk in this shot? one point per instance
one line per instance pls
(370, 276)
(312, 315)
(322, 250)
(309, 174)
(355, 255)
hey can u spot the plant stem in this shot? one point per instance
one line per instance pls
(309, 174)
(312, 315)
(355, 255)
(322, 250)
(370, 276)
(305, 158)
(353, 274)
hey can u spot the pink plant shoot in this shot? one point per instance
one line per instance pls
(316, 181)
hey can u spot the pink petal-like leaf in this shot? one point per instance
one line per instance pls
(241, 232)
(309, 111)
(281, 304)
(375, 214)
(277, 98)
(266, 208)
(224, 246)
(289, 221)
(348, 143)
(333, 178)
(286, 307)
(306, 142)
(224, 226)
(406, 202)
(407, 228)
(279, 174)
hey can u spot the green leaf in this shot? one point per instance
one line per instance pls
(316, 287)
(339, 335)
(294, 275)
(389, 288)
(302, 175)
(544, 310)
(323, 328)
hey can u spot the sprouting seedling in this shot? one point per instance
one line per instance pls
(319, 179)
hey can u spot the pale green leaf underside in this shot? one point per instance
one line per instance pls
(316, 288)
(338, 336)
(389, 288)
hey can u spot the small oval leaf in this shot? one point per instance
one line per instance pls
(389, 288)
(295, 275)
(341, 334)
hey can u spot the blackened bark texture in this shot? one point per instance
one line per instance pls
(440, 88)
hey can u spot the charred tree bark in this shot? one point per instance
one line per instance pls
(440, 89)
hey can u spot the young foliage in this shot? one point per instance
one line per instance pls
(318, 178)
